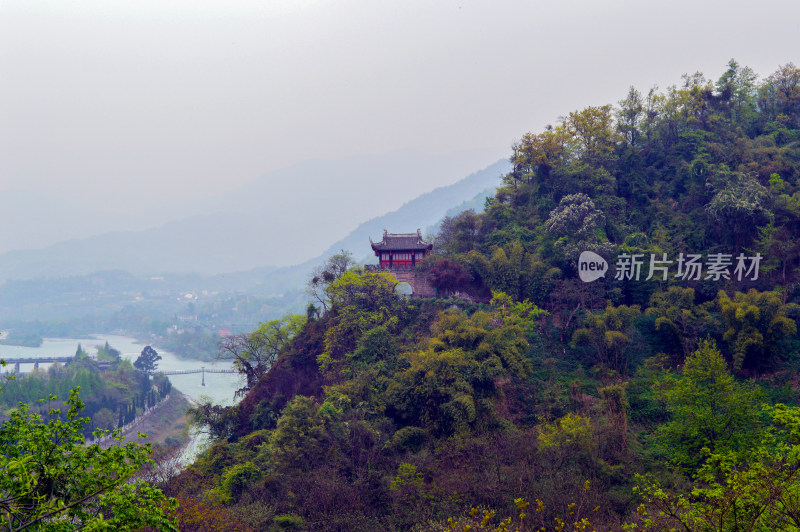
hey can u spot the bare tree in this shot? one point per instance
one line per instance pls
(254, 354)
(334, 267)
(167, 464)
(239, 349)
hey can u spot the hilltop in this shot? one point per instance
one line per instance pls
(391, 413)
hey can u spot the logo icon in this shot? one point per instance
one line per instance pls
(591, 266)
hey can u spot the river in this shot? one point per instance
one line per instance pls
(220, 387)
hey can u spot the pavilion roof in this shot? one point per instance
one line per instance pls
(401, 242)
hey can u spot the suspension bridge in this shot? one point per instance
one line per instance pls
(202, 370)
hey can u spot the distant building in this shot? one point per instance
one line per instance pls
(400, 250)
(400, 253)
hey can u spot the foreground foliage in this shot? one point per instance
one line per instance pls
(51, 480)
(757, 490)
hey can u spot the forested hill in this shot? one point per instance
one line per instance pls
(539, 395)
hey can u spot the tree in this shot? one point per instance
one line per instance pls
(737, 89)
(51, 480)
(219, 422)
(459, 233)
(611, 333)
(536, 155)
(253, 354)
(449, 387)
(377, 350)
(710, 410)
(732, 493)
(524, 314)
(756, 325)
(448, 276)
(109, 353)
(567, 438)
(594, 134)
(629, 115)
(148, 360)
(678, 319)
(779, 96)
(578, 226)
(740, 203)
(504, 277)
(323, 276)
(780, 251)
(359, 302)
(299, 440)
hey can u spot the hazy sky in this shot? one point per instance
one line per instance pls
(128, 102)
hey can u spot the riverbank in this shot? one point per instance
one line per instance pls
(165, 424)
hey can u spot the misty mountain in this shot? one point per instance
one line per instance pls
(46, 295)
(30, 219)
(282, 218)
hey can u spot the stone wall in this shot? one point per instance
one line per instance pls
(419, 281)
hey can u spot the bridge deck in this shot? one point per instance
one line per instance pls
(190, 371)
(37, 360)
